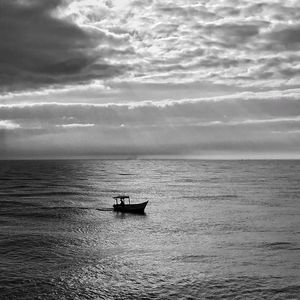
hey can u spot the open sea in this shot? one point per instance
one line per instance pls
(212, 230)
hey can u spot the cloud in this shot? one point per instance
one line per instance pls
(149, 76)
(38, 49)
(232, 34)
(247, 110)
(57, 43)
(285, 36)
(75, 125)
(8, 125)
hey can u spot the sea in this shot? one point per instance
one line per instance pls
(211, 230)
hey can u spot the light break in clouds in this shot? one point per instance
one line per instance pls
(149, 78)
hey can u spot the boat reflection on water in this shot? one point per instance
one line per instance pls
(121, 206)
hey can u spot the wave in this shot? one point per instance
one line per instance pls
(18, 204)
(21, 178)
(41, 194)
(280, 246)
(126, 174)
(211, 197)
(193, 258)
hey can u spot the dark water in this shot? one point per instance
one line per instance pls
(212, 230)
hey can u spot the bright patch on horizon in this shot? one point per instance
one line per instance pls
(8, 125)
(75, 125)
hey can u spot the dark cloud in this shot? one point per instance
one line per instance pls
(38, 48)
(286, 37)
(232, 34)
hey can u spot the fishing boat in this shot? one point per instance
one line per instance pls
(128, 207)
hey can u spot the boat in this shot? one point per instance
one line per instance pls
(128, 207)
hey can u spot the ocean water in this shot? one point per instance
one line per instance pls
(212, 230)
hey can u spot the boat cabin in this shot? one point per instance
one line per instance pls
(121, 199)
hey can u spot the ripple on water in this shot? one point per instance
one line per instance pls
(212, 230)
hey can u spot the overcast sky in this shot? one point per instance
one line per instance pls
(87, 78)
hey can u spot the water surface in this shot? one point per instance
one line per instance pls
(212, 230)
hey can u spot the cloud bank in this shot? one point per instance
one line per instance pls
(249, 124)
(248, 44)
(40, 49)
(151, 77)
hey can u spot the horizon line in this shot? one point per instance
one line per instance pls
(212, 158)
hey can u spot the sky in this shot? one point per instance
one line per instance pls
(149, 78)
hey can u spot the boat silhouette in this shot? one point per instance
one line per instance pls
(121, 206)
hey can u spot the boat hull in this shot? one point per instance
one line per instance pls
(131, 208)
